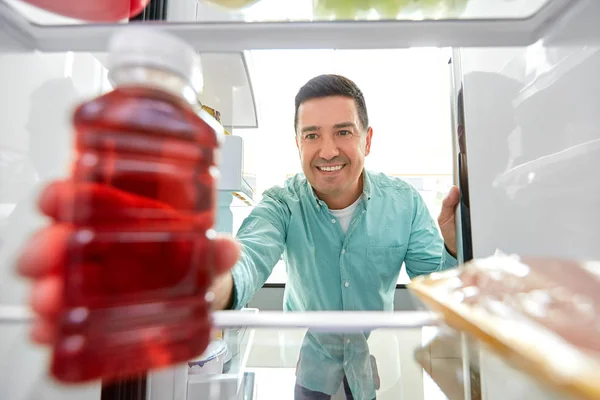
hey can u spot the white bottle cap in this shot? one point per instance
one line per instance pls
(151, 47)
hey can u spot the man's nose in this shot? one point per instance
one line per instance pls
(329, 149)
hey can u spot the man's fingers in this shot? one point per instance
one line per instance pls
(85, 203)
(50, 198)
(46, 252)
(47, 295)
(449, 205)
(452, 198)
(226, 254)
(47, 291)
(43, 331)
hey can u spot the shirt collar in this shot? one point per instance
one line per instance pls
(318, 204)
(366, 185)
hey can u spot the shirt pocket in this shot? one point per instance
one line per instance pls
(383, 264)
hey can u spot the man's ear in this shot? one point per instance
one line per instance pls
(369, 136)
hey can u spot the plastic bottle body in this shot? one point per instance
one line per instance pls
(142, 207)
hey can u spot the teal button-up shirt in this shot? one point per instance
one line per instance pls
(330, 270)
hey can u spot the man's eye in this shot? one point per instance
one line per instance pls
(344, 133)
(310, 136)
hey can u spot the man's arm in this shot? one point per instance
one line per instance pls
(223, 290)
(262, 240)
(426, 252)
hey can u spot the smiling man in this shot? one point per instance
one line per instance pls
(344, 233)
(332, 146)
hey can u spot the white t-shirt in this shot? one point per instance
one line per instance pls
(344, 216)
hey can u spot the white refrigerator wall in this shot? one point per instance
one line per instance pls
(38, 94)
(533, 146)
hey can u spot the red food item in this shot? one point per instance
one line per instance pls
(538, 314)
(561, 296)
(96, 11)
(141, 199)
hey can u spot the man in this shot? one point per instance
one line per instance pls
(336, 221)
(344, 233)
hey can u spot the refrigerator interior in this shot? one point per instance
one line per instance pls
(530, 140)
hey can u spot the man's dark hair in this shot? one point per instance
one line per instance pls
(332, 85)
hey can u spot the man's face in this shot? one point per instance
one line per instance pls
(332, 145)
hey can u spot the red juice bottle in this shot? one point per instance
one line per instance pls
(142, 203)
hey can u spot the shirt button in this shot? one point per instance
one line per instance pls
(345, 363)
(343, 251)
(333, 220)
(347, 341)
(346, 283)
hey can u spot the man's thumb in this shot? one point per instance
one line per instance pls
(449, 204)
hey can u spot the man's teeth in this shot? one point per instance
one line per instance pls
(331, 169)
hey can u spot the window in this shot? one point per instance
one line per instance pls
(407, 95)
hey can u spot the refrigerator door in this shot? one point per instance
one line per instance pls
(533, 148)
